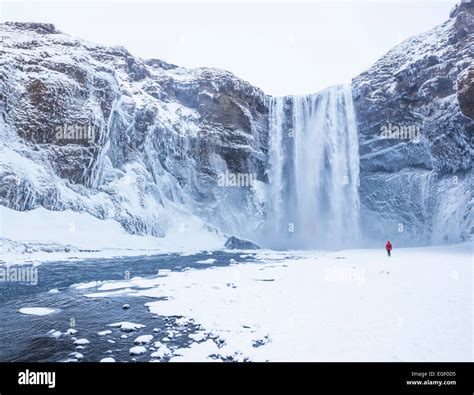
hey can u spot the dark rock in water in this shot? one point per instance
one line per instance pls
(234, 243)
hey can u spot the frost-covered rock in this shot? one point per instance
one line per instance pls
(76, 355)
(161, 141)
(127, 326)
(107, 359)
(54, 333)
(418, 190)
(143, 339)
(465, 92)
(162, 352)
(240, 244)
(158, 136)
(81, 342)
(137, 350)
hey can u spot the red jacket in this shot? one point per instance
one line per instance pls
(388, 246)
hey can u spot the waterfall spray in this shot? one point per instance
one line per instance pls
(313, 199)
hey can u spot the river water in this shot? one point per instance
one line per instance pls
(29, 338)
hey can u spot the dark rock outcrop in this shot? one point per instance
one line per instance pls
(234, 243)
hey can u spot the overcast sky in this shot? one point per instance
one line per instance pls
(281, 47)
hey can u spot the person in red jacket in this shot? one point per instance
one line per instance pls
(388, 247)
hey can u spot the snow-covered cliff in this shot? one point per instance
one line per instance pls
(162, 146)
(419, 189)
(159, 139)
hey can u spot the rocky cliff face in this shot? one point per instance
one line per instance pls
(419, 187)
(93, 128)
(159, 136)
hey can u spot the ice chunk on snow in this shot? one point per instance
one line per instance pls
(81, 342)
(108, 359)
(162, 352)
(207, 261)
(197, 351)
(86, 285)
(137, 350)
(71, 331)
(183, 321)
(198, 336)
(104, 333)
(172, 333)
(144, 339)
(68, 360)
(37, 310)
(54, 333)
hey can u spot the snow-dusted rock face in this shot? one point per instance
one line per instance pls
(157, 138)
(466, 92)
(419, 189)
(162, 147)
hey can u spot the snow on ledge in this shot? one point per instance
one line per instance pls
(26, 235)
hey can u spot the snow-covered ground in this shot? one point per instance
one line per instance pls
(44, 235)
(354, 305)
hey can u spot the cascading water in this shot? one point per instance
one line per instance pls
(313, 199)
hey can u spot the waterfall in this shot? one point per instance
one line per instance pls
(312, 200)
